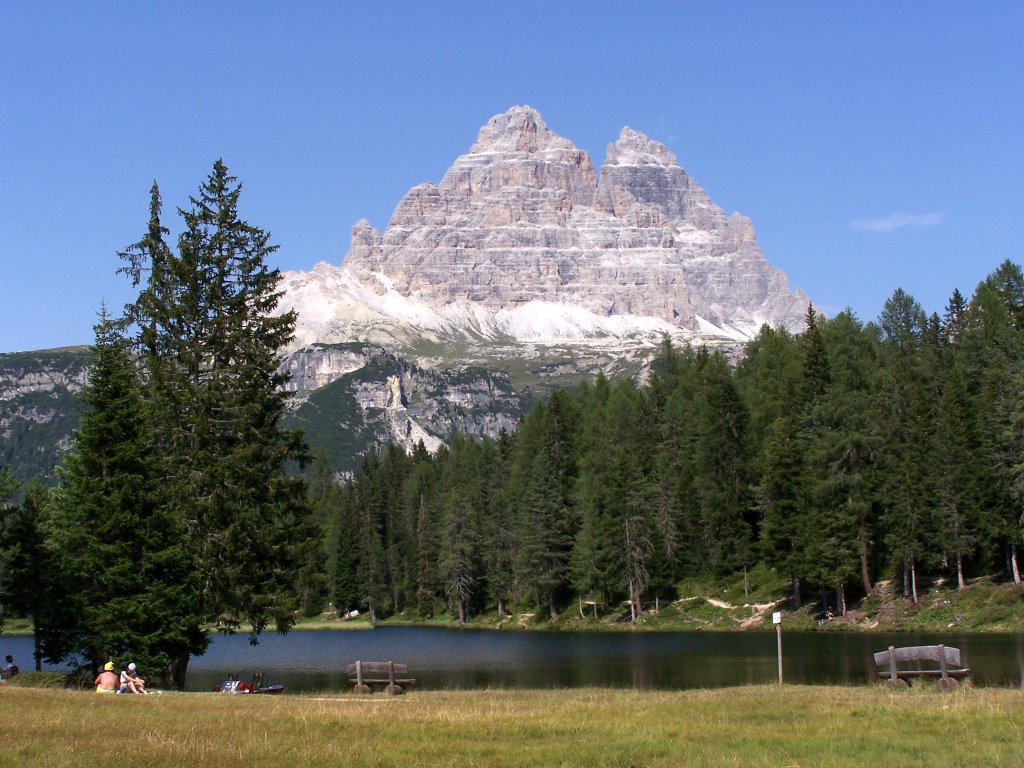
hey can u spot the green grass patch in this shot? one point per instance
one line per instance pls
(750, 727)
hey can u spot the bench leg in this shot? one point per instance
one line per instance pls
(394, 689)
(361, 688)
(896, 682)
(945, 684)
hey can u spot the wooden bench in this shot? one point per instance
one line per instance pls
(364, 674)
(947, 657)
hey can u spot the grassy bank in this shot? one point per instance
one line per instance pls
(737, 603)
(754, 726)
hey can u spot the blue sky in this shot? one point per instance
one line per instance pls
(874, 145)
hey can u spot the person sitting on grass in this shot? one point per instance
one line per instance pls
(106, 681)
(130, 681)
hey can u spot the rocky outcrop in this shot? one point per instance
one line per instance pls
(39, 409)
(387, 400)
(519, 240)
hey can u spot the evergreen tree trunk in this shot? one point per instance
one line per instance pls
(552, 611)
(841, 600)
(1014, 567)
(796, 593)
(865, 574)
(579, 595)
(501, 608)
(960, 572)
(632, 603)
(913, 580)
(461, 603)
(178, 670)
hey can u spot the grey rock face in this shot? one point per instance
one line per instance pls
(39, 409)
(374, 398)
(519, 239)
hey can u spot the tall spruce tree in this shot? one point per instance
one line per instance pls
(905, 406)
(722, 458)
(128, 582)
(8, 485)
(28, 584)
(211, 342)
(993, 354)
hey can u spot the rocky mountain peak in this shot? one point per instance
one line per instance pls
(521, 129)
(519, 242)
(634, 148)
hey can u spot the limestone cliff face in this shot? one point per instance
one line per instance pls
(39, 408)
(519, 240)
(351, 398)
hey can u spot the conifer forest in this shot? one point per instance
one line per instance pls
(845, 454)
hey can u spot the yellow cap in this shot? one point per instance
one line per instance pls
(109, 666)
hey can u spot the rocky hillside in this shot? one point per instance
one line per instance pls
(38, 408)
(347, 397)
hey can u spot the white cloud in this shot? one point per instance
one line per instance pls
(888, 224)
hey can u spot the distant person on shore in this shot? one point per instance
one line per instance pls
(130, 681)
(9, 669)
(106, 681)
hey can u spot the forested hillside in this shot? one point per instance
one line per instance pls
(846, 454)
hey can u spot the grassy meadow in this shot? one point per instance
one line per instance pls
(750, 726)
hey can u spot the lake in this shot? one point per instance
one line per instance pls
(464, 659)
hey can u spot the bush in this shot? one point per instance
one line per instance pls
(39, 680)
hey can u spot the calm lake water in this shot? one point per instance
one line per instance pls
(461, 659)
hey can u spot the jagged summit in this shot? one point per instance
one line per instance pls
(521, 129)
(521, 242)
(634, 148)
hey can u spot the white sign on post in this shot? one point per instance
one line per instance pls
(777, 621)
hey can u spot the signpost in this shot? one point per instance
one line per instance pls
(777, 621)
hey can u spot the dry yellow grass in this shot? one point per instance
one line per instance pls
(755, 726)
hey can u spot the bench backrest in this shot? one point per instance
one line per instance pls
(920, 653)
(377, 668)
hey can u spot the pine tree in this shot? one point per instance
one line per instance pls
(957, 452)
(130, 589)
(723, 469)
(992, 351)
(500, 550)
(781, 503)
(210, 340)
(460, 545)
(8, 485)
(596, 560)
(905, 406)
(28, 584)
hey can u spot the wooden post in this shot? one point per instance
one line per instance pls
(777, 621)
(892, 664)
